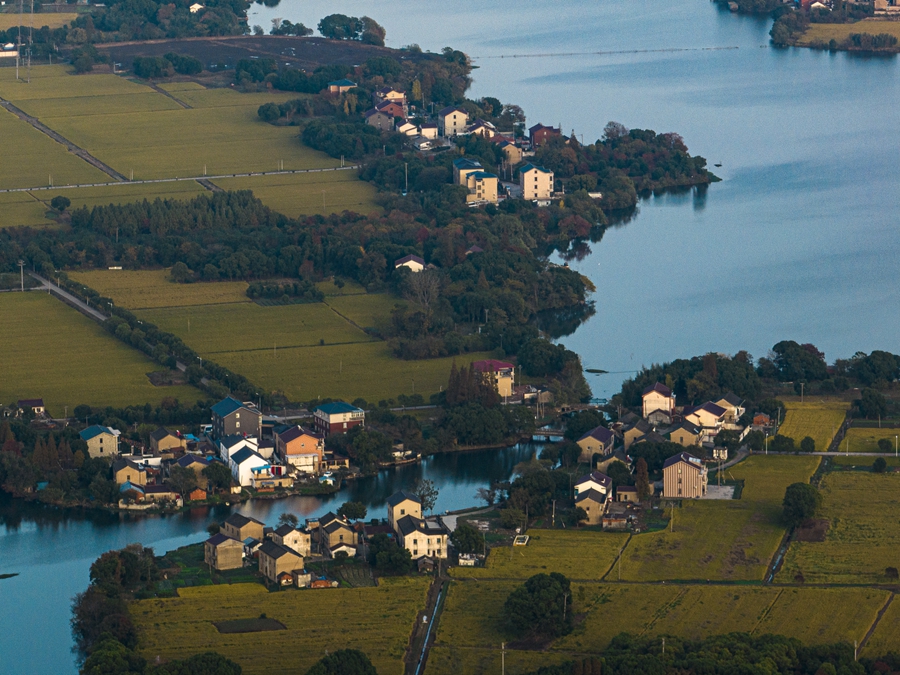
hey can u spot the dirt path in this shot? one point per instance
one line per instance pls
(74, 149)
(876, 622)
(423, 634)
(159, 90)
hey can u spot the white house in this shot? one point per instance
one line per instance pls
(231, 444)
(536, 182)
(243, 463)
(196, 7)
(452, 121)
(658, 397)
(594, 481)
(413, 262)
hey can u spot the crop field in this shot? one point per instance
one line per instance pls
(886, 636)
(861, 542)
(376, 620)
(577, 554)
(172, 87)
(843, 460)
(366, 311)
(50, 19)
(97, 105)
(146, 289)
(121, 193)
(53, 352)
(20, 208)
(228, 98)
(733, 539)
(452, 660)
(841, 31)
(302, 194)
(817, 419)
(57, 82)
(32, 159)
(363, 369)
(866, 440)
(241, 327)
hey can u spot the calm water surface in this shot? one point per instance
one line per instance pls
(799, 241)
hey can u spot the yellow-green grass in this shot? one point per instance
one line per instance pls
(886, 636)
(577, 554)
(229, 98)
(866, 440)
(144, 289)
(45, 109)
(350, 287)
(824, 32)
(180, 86)
(58, 82)
(216, 329)
(173, 143)
(472, 613)
(864, 528)
(51, 20)
(302, 194)
(823, 615)
(364, 369)
(452, 660)
(377, 620)
(859, 460)
(366, 311)
(729, 539)
(33, 159)
(817, 419)
(123, 193)
(21, 208)
(53, 352)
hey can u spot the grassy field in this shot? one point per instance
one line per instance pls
(31, 158)
(823, 32)
(732, 539)
(21, 208)
(50, 19)
(366, 311)
(887, 634)
(58, 82)
(866, 440)
(857, 460)
(817, 419)
(150, 289)
(452, 660)
(53, 352)
(577, 554)
(375, 620)
(861, 542)
(305, 194)
(98, 105)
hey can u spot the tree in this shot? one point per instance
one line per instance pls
(808, 444)
(387, 556)
(111, 657)
(582, 422)
(782, 444)
(344, 662)
(352, 510)
(340, 27)
(290, 519)
(579, 515)
(60, 203)
(208, 663)
(181, 273)
(872, 404)
(218, 475)
(619, 473)
(642, 481)
(467, 539)
(426, 492)
(884, 445)
(801, 501)
(182, 479)
(540, 608)
(269, 112)
(755, 440)
(879, 465)
(511, 518)
(488, 495)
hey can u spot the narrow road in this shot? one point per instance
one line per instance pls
(68, 298)
(199, 179)
(74, 149)
(160, 90)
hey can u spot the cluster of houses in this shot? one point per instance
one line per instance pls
(390, 112)
(281, 554)
(684, 474)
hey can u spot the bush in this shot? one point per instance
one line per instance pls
(60, 203)
(807, 445)
(879, 465)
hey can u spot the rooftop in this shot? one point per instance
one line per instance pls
(659, 388)
(337, 408)
(94, 431)
(402, 496)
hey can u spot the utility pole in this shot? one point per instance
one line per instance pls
(553, 517)
(22, 274)
(503, 658)
(802, 384)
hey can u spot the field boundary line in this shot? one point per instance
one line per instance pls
(266, 349)
(150, 181)
(875, 623)
(159, 90)
(199, 304)
(766, 612)
(618, 557)
(62, 140)
(663, 611)
(347, 319)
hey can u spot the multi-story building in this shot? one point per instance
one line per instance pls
(338, 417)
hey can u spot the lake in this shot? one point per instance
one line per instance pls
(795, 243)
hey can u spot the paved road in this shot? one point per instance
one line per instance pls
(68, 298)
(200, 179)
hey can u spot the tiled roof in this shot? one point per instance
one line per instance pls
(342, 83)
(226, 406)
(273, 550)
(596, 477)
(529, 167)
(161, 433)
(337, 408)
(408, 258)
(685, 457)
(94, 431)
(187, 460)
(658, 387)
(466, 163)
(591, 494)
(602, 434)
(219, 539)
(488, 365)
(401, 496)
(239, 520)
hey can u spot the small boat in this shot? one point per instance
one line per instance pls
(717, 165)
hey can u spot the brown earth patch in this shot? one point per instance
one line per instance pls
(812, 530)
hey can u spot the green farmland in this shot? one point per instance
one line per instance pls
(817, 419)
(863, 439)
(732, 539)
(22, 208)
(376, 620)
(141, 132)
(864, 527)
(53, 352)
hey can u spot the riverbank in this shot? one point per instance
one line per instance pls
(837, 36)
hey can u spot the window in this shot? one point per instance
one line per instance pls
(679, 491)
(428, 541)
(237, 425)
(402, 512)
(237, 416)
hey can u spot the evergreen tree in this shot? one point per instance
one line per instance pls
(643, 480)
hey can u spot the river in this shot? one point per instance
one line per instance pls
(52, 549)
(795, 243)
